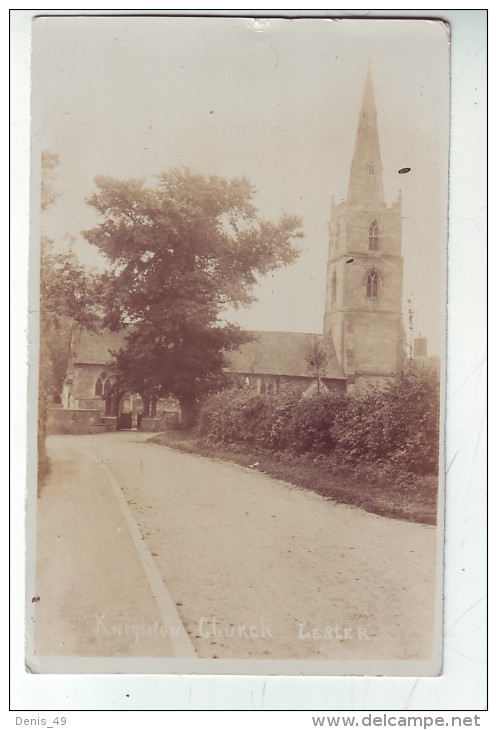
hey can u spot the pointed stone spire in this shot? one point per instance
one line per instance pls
(366, 170)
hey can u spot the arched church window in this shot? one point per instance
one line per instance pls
(373, 285)
(107, 388)
(371, 169)
(334, 288)
(98, 387)
(373, 236)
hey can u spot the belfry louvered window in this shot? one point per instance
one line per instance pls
(373, 236)
(373, 285)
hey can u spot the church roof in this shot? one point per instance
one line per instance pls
(94, 348)
(268, 353)
(283, 353)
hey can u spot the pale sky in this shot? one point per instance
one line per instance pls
(274, 100)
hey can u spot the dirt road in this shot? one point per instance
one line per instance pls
(251, 567)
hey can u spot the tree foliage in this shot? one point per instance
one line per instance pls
(180, 253)
(69, 296)
(68, 289)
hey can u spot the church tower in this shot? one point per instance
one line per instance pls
(363, 311)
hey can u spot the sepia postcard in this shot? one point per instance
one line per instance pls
(238, 266)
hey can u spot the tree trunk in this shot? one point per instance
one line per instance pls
(188, 411)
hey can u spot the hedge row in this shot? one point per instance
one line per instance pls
(397, 424)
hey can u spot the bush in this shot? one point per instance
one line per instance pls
(396, 425)
(309, 424)
(231, 417)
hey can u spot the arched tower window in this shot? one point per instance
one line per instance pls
(334, 288)
(373, 236)
(371, 169)
(98, 387)
(373, 285)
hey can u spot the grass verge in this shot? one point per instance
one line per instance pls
(380, 490)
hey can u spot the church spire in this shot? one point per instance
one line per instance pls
(366, 170)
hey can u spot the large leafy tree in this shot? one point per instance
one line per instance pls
(180, 253)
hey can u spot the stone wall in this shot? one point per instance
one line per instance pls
(110, 422)
(165, 422)
(60, 421)
(272, 384)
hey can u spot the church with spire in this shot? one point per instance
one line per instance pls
(363, 312)
(363, 339)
